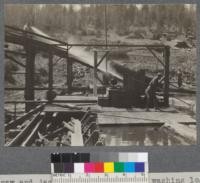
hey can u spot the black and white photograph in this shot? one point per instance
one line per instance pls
(100, 74)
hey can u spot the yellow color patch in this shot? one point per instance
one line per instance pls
(108, 167)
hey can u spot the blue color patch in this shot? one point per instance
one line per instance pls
(139, 167)
(129, 167)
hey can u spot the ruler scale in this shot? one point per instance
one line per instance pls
(100, 178)
(94, 168)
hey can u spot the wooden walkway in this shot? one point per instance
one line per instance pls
(116, 116)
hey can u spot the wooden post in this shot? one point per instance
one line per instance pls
(166, 86)
(95, 74)
(69, 75)
(15, 111)
(106, 33)
(29, 78)
(50, 73)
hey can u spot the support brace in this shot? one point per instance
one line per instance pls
(159, 60)
(104, 56)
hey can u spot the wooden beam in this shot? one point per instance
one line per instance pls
(166, 79)
(158, 59)
(95, 74)
(92, 140)
(98, 78)
(33, 134)
(15, 52)
(16, 61)
(76, 89)
(69, 75)
(29, 77)
(50, 73)
(24, 134)
(20, 120)
(104, 56)
(21, 32)
(58, 60)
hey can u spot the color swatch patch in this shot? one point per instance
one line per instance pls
(119, 167)
(108, 167)
(89, 167)
(99, 167)
(129, 167)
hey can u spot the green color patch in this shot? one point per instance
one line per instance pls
(119, 167)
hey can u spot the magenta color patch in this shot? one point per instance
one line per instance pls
(89, 167)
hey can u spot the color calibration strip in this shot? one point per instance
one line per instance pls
(99, 167)
(81, 163)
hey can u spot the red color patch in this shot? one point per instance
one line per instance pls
(99, 167)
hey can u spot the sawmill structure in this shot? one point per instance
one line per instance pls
(76, 118)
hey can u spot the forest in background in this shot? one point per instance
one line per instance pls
(122, 19)
(88, 21)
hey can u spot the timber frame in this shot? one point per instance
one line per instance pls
(32, 44)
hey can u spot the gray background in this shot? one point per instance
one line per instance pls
(36, 160)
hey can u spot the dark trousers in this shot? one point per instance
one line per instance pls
(151, 96)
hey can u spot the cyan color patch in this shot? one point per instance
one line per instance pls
(129, 167)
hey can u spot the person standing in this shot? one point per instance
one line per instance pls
(151, 89)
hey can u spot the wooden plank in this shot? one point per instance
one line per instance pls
(21, 137)
(30, 139)
(106, 120)
(76, 137)
(55, 114)
(69, 127)
(93, 139)
(57, 108)
(69, 106)
(20, 120)
(137, 117)
(76, 99)
(180, 130)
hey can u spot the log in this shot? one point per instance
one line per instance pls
(20, 120)
(23, 135)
